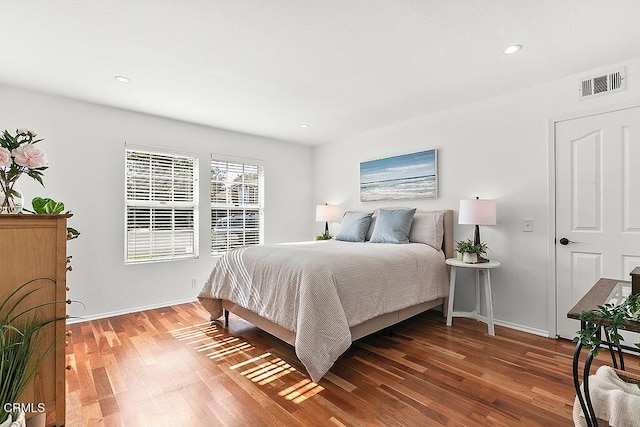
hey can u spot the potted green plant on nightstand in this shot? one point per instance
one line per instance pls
(471, 251)
(324, 236)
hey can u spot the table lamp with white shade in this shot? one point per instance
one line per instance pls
(477, 212)
(326, 213)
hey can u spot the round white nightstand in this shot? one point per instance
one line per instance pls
(485, 268)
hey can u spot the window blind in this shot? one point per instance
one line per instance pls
(236, 204)
(161, 206)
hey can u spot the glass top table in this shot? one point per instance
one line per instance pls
(603, 292)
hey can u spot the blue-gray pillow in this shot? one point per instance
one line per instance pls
(354, 226)
(393, 226)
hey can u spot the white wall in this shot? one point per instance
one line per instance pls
(498, 149)
(493, 149)
(85, 146)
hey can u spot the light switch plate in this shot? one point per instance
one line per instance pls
(527, 224)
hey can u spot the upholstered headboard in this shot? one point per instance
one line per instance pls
(447, 241)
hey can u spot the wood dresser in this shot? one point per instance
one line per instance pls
(35, 246)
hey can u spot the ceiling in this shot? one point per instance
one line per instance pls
(343, 67)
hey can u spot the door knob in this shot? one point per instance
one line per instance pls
(565, 241)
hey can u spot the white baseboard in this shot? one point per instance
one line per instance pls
(127, 311)
(522, 328)
(73, 320)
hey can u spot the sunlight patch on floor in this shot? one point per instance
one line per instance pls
(301, 391)
(252, 360)
(240, 347)
(192, 329)
(261, 370)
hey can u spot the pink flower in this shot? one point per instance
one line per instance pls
(5, 157)
(29, 156)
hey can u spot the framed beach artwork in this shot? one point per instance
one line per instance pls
(408, 176)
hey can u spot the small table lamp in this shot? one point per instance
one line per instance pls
(477, 212)
(326, 213)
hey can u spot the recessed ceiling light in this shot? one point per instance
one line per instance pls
(512, 49)
(304, 126)
(122, 79)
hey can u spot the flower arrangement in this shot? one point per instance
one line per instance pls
(18, 154)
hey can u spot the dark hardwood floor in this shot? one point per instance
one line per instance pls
(171, 367)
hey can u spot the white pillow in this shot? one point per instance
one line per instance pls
(428, 228)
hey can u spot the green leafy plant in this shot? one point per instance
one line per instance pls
(47, 206)
(612, 318)
(72, 233)
(467, 246)
(324, 236)
(21, 343)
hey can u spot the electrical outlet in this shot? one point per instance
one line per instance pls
(194, 283)
(527, 224)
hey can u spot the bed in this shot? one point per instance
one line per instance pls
(322, 296)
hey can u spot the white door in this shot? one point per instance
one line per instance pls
(597, 205)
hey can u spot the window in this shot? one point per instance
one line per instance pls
(161, 206)
(236, 204)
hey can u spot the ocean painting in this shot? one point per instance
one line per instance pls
(409, 176)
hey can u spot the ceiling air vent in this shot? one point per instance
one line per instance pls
(613, 81)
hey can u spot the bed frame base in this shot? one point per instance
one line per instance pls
(366, 328)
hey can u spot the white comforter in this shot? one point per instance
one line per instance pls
(321, 289)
